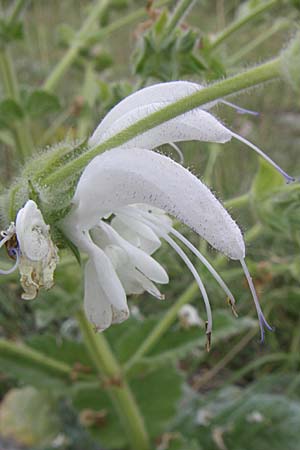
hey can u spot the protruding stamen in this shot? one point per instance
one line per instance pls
(208, 338)
(262, 320)
(239, 109)
(195, 251)
(286, 176)
(178, 151)
(232, 306)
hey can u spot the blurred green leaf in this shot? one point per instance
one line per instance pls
(40, 103)
(10, 112)
(162, 386)
(265, 181)
(10, 31)
(177, 342)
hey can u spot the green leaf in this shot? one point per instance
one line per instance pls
(176, 343)
(10, 32)
(162, 386)
(28, 417)
(10, 112)
(40, 103)
(266, 180)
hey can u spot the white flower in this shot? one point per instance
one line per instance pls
(116, 182)
(196, 124)
(30, 244)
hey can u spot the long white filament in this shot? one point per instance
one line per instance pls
(178, 151)
(287, 177)
(239, 109)
(191, 247)
(190, 266)
(262, 320)
(194, 272)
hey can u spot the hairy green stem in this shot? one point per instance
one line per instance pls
(239, 23)
(251, 77)
(119, 390)
(77, 43)
(24, 144)
(160, 329)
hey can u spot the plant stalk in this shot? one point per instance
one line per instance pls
(23, 141)
(239, 23)
(77, 43)
(119, 390)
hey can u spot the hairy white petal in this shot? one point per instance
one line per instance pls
(121, 177)
(161, 92)
(192, 125)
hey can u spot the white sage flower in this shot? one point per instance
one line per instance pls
(129, 183)
(197, 124)
(29, 243)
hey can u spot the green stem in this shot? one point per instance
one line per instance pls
(254, 43)
(23, 140)
(238, 202)
(239, 23)
(251, 77)
(162, 326)
(17, 9)
(23, 353)
(181, 9)
(108, 367)
(122, 22)
(77, 43)
(275, 357)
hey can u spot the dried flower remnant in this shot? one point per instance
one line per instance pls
(29, 243)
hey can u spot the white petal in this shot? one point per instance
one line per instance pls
(193, 125)
(136, 233)
(121, 177)
(106, 274)
(96, 304)
(139, 259)
(161, 92)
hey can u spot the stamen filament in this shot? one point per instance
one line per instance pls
(185, 259)
(194, 250)
(178, 151)
(287, 177)
(261, 318)
(239, 109)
